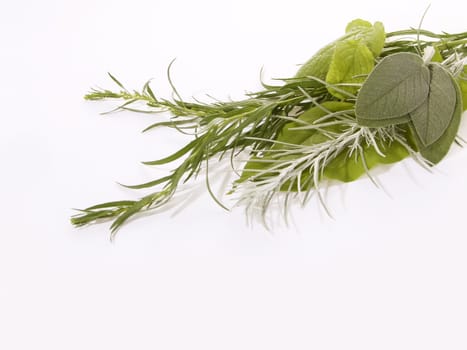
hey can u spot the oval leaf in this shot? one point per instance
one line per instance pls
(375, 39)
(351, 61)
(438, 149)
(462, 81)
(378, 123)
(433, 117)
(397, 85)
(357, 25)
(289, 133)
(347, 168)
(372, 36)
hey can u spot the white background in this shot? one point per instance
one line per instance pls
(388, 272)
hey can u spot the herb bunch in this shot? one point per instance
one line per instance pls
(347, 110)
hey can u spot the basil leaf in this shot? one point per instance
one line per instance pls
(438, 149)
(347, 168)
(434, 115)
(375, 39)
(318, 65)
(437, 57)
(291, 135)
(357, 25)
(373, 36)
(350, 62)
(462, 81)
(398, 84)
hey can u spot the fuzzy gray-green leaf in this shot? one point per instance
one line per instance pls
(379, 123)
(438, 149)
(433, 117)
(397, 85)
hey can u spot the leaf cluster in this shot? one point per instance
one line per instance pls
(403, 89)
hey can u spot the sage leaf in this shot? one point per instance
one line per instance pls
(434, 115)
(397, 85)
(351, 61)
(377, 123)
(438, 149)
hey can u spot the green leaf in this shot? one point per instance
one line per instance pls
(125, 215)
(377, 123)
(347, 168)
(254, 166)
(432, 118)
(437, 57)
(438, 150)
(398, 84)
(462, 81)
(148, 184)
(180, 153)
(372, 36)
(351, 62)
(375, 38)
(289, 133)
(318, 65)
(116, 81)
(114, 204)
(357, 25)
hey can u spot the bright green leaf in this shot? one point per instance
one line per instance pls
(437, 57)
(432, 118)
(289, 133)
(254, 166)
(357, 25)
(351, 62)
(462, 81)
(347, 168)
(397, 85)
(372, 36)
(318, 65)
(375, 38)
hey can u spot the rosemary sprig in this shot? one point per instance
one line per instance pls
(221, 129)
